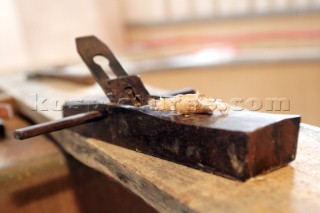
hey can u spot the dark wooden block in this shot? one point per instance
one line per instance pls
(240, 145)
(2, 129)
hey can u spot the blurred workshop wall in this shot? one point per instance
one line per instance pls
(12, 47)
(168, 25)
(288, 31)
(42, 32)
(37, 33)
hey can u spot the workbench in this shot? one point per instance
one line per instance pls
(37, 176)
(167, 186)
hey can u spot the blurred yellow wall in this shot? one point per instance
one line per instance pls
(296, 81)
(37, 33)
(282, 30)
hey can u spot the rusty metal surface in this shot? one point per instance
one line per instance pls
(124, 89)
(52, 126)
(88, 47)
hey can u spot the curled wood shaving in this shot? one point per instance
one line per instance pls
(189, 104)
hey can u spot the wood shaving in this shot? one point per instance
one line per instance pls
(189, 104)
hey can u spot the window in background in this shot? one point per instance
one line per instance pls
(164, 11)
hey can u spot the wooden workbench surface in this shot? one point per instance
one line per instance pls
(170, 187)
(37, 176)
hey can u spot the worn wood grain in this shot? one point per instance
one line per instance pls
(37, 176)
(171, 187)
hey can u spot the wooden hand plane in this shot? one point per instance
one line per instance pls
(239, 145)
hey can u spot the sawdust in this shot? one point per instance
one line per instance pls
(189, 104)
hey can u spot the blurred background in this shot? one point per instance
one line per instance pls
(249, 50)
